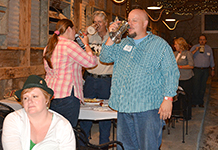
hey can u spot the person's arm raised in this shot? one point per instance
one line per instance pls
(112, 27)
(85, 40)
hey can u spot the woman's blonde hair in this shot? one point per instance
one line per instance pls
(61, 27)
(182, 43)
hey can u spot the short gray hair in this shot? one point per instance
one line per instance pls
(101, 14)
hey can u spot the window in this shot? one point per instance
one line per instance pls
(209, 23)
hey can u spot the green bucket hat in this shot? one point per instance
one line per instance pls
(35, 81)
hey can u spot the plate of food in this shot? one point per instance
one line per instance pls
(92, 101)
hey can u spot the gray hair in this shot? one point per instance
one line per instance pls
(101, 14)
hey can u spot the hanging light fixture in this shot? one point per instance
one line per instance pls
(154, 7)
(169, 26)
(170, 19)
(171, 7)
(176, 22)
(155, 20)
(118, 1)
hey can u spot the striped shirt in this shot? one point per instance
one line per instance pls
(143, 74)
(67, 60)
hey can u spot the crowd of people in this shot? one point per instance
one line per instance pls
(140, 76)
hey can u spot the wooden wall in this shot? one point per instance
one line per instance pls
(191, 30)
(25, 26)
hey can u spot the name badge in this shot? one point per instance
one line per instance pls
(127, 48)
(183, 57)
(208, 54)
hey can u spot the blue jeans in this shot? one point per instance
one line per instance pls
(199, 85)
(140, 131)
(104, 129)
(68, 107)
(97, 88)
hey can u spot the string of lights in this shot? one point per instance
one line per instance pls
(183, 8)
(186, 7)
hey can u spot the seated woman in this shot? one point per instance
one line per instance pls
(35, 127)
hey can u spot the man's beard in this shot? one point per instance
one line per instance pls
(133, 35)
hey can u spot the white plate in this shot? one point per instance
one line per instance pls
(102, 109)
(95, 104)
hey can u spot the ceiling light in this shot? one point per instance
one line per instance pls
(154, 7)
(157, 18)
(169, 26)
(170, 19)
(119, 1)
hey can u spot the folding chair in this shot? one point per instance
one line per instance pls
(83, 144)
(181, 112)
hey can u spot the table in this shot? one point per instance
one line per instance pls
(93, 111)
(12, 103)
(87, 112)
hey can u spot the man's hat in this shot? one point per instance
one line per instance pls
(35, 81)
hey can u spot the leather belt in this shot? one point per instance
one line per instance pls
(99, 76)
(201, 67)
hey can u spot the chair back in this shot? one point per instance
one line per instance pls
(4, 111)
(83, 143)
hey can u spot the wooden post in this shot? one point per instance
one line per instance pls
(76, 14)
(25, 31)
(3, 24)
(44, 25)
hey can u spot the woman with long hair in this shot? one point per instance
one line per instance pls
(63, 62)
